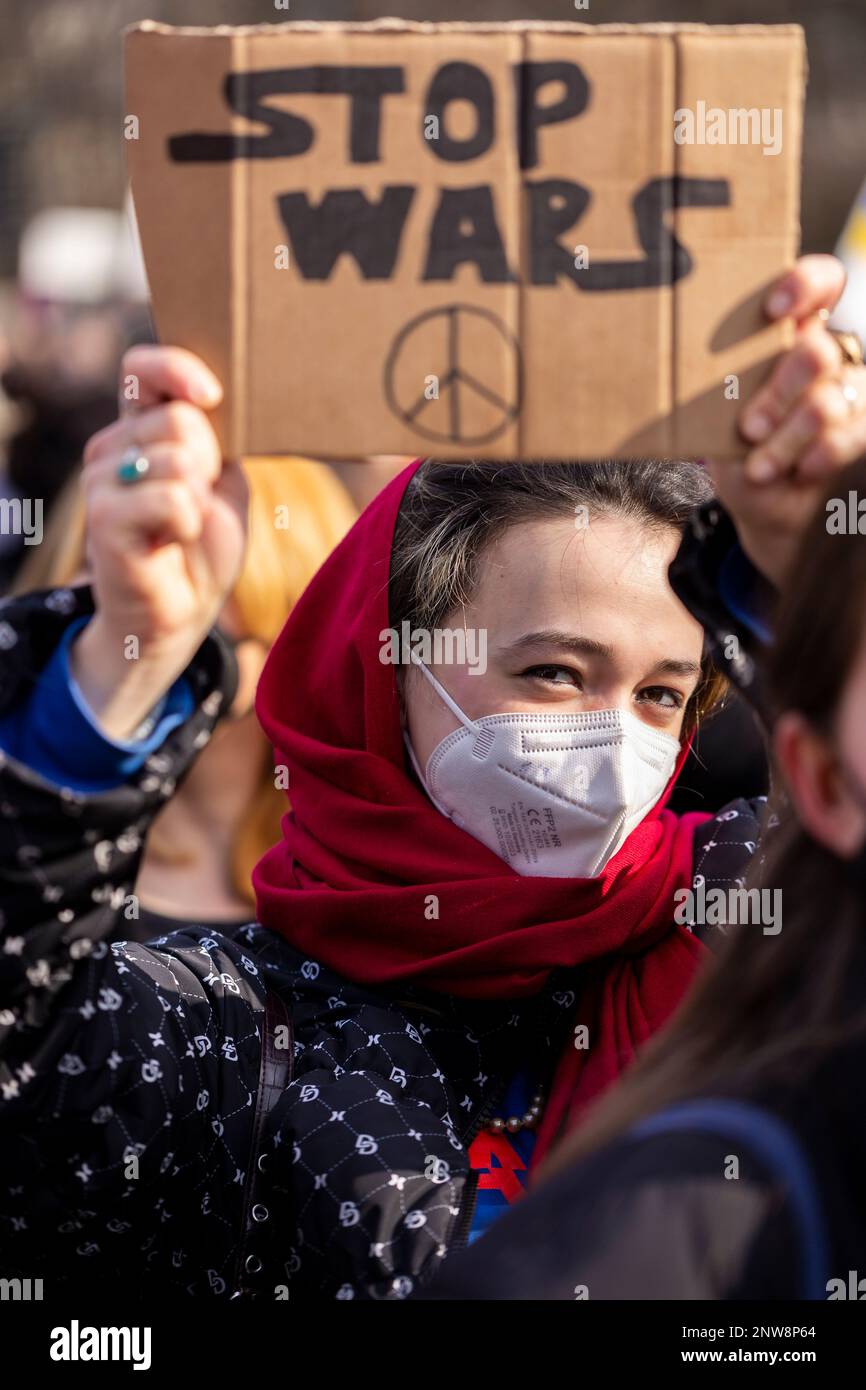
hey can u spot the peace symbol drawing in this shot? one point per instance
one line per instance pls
(444, 375)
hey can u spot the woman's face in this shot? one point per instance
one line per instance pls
(575, 619)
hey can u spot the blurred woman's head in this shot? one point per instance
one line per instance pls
(818, 677)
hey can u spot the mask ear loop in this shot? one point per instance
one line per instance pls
(444, 696)
(458, 714)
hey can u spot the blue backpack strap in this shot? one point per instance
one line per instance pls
(774, 1143)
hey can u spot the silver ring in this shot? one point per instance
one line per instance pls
(133, 467)
(851, 396)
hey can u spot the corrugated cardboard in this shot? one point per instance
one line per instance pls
(472, 324)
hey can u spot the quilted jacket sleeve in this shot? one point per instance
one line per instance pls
(127, 1072)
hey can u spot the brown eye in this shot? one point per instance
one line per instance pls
(553, 675)
(662, 696)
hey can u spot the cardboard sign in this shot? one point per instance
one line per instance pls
(527, 240)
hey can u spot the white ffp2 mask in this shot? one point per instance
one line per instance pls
(554, 795)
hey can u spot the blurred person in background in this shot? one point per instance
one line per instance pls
(849, 316)
(226, 813)
(80, 301)
(365, 478)
(729, 1163)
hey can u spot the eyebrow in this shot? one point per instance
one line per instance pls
(588, 646)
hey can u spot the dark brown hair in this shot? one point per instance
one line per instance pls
(770, 1006)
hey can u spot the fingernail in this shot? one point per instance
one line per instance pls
(780, 302)
(761, 469)
(757, 426)
(204, 391)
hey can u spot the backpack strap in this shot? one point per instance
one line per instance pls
(775, 1144)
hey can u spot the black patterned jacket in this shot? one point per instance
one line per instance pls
(211, 1112)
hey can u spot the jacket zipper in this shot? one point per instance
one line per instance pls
(463, 1223)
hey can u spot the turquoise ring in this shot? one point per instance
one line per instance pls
(133, 467)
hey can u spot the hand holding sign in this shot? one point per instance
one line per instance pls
(165, 553)
(799, 424)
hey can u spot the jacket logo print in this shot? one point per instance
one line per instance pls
(70, 1065)
(436, 1170)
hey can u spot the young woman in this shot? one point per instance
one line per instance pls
(468, 929)
(665, 1193)
(201, 850)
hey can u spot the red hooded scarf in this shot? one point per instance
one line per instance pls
(374, 882)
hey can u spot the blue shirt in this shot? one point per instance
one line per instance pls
(54, 733)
